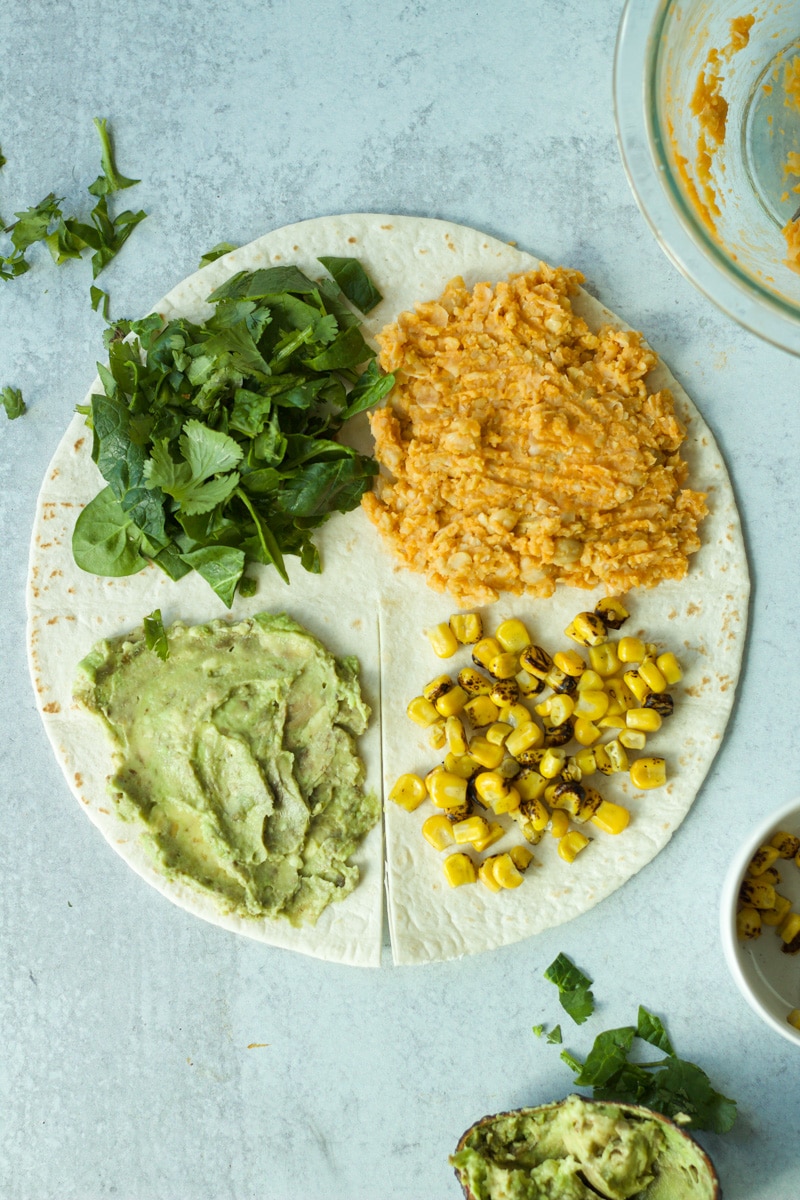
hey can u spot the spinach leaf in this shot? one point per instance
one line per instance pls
(12, 402)
(371, 387)
(573, 988)
(353, 281)
(220, 566)
(324, 487)
(105, 541)
(155, 636)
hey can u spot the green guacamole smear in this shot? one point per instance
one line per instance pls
(237, 754)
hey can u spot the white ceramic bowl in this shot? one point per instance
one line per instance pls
(768, 979)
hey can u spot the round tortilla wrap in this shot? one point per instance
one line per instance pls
(364, 604)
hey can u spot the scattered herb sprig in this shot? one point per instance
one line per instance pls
(573, 988)
(155, 637)
(218, 440)
(12, 402)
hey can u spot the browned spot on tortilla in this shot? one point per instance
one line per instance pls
(70, 617)
(52, 620)
(52, 707)
(276, 258)
(78, 444)
(352, 240)
(105, 811)
(55, 473)
(78, 779)
(693, 609)
(66, 504)
(725, 682)
(357, 624)
(45, 545)
(71, 591)
(35, 592)
(387, 226)
(673, 614)
(57, 571)
(295, 248)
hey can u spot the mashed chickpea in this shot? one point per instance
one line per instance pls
(519, 449)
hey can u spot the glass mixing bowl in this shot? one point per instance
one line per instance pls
(707, 106)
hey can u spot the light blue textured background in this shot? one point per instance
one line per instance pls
(125, 1022)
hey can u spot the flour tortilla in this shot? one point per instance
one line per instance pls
(364, 604)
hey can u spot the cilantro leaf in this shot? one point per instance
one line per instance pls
(554, 1036)
(3, 159)
(111, 180)
(369, 390)
(353, 281)
(206, 453)
(573, 988)
(100, 300)
(650, 1028)
(212, 255)
(538, 1030)
(12, 402)
(608, 1054)
(155, 635)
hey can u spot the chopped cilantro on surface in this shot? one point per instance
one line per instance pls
(215, 252)
(573, 988)
(155, 636)
(554, 1036)
(11, 399)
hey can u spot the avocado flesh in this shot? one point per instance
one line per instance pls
(237, 754)
(578, 1149)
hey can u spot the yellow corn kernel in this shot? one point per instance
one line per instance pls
(467, 628)
(498, 732)
(459, 869)
(409, 791)
(521, 856)
(503, 665)
(513, 636)
(612, 611)
(748, 924)
(528, 684)
(446, 789)
(620, 696)
(486, 753)
(552, 763)
(504, 692)
(652, 676)
(669, 667)
(774, 916)
(588, 629)
(570, 662)
(473, 682)
(646, 720)
(486, 875)
(437, 687)
(506, 871)
(484, 651)
(571, 844)
(610, 817)
(790, 927)
(462, 765)
(785, 843)
(495, 832)
(509, 768)
(648, 773)
(422, 712)
(559, 681)
(771, 875)
(456, 738)
(470, 830)
(452, 702)
(534, 813)
(603, 659)
(591, 705)
(516, 714)
(507, 803)
(763, 858)
(561, 709)
(633, 739)
(490, 786)
(615, 756)
(535, 661)
(481, 711)
(755, 894)
(631, 650)
(611, 722)
(586, 761)
(527, 736)
(436, 735)
(438, 831)
(590, 681)
(443, 640)
(794, 1018)
(530, 784)
(585, 732)
(559, 822)
(636, 685)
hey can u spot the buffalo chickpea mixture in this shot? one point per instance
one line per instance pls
(520, 449)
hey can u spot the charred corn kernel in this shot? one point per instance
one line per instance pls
(456, 738)
(647, 720)
(526, 736)
(590, 681)
(486, 753)
(557, 735)
(516, 714)
(669, 667)
(611, 722)
(459, 869)
(467, 628)
(473, 682)
(636, 685)
(507, 803)
(409, 791)
(484, 651)
(504, 692)
(794, 1018)
(534, 813)
(660, 702)
(530, 784)
(774, 916)
(481, 711)
(612, 611)
(422, 712)
(535, 661)
(486, 875)
(552, 762)
(443, 640)
(437, 738)
(498, 732)
(620, 697)
(528, 684)
(503, 666)
(586, 760)
(571, 772)
(785, 843)
(469, 831)
(591, 705)
(438, 831)
(463, 765)
(633, 739)
(754, 894)
(763, 858)
(568, 796)
(532, 757)
(652, 676)
(558, 823)
(509, 768)
(437, 687)
(513, 636)
(770, 875)
(461, 812)
(552, 784)
(561, 709)
(610, 817)
(571, 844)
(446, 789)
(495, 832)
(521, 856)
(490, 786)
(748, 924)
(648, 773)
(603, 659)
(631, 650)
(506, 871)
(570, 662)
(585, 731)
(559, 681)
(451, 703)
(790, 927)
(588, 629)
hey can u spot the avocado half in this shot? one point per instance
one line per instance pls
(578, 1149)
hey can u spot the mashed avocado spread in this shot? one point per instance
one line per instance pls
(238, 754)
